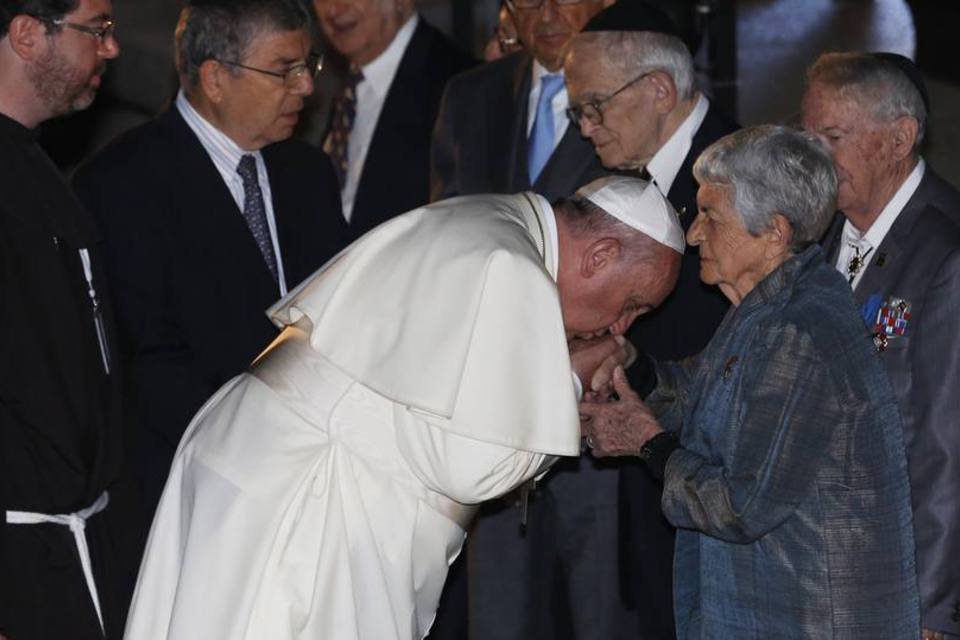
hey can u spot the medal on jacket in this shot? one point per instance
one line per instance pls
(892, 320)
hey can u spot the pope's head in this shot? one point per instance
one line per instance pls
(620, 248)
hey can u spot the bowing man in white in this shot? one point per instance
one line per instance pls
(423, 370)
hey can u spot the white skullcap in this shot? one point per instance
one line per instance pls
(639, 204)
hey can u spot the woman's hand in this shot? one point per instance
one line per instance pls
(617, 427)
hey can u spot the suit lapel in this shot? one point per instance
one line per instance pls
(213, 212)
(518, 178)
(831, 241)
(892, 251)
(683, 191)
(402, 112)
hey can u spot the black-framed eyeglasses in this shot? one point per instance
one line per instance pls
(535, 4)
(593, 110)
(101, 33)
(292, 75)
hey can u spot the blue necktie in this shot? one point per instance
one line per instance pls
(255, 212)
(541, 138)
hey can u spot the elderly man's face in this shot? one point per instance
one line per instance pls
(68, 74)
(547, 29)
(730, 257)
(258, 109)
(861, 147)
(627, 135)
(360, 29)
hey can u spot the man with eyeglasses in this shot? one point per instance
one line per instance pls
(60, 428)
(632, 95)
(208, 215)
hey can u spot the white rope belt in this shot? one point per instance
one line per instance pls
(77, 523)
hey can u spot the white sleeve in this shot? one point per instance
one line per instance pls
(466, 470)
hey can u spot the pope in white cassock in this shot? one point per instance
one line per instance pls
(423, 370)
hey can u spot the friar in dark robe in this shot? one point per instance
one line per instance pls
(61, 446)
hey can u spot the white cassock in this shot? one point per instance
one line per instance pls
(323, 494)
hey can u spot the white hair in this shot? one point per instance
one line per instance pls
(878, 85)
(633, 53)
(772, 169)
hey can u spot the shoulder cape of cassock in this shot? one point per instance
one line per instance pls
(449, 310)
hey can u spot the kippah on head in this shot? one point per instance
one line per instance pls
(909, 69)
(632, 15)
(639, 204)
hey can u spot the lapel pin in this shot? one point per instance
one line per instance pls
(728, 367)
(881, 260)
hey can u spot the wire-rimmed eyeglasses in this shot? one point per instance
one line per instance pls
(593, 110)
(101, 33)
(292, 75)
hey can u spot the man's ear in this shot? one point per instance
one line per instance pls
(905, 132)
(212, 77)
(599, 256)
(666, 92)
(27, 37)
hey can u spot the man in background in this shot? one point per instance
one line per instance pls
(59, 406)
(632, 94)
(210, 214)
(379, 134)
(898, 244)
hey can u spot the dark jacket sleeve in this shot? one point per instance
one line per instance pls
(934, 452)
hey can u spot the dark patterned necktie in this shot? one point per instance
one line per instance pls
(344, 113)
(255, 213)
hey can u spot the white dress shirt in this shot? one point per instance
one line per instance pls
(371, 93)
(666, 162)
(558, 104)
(852, 237)
(226, 155)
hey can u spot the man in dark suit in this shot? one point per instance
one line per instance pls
(379, 134)
(631, 85)
(898, 243)
(209, 214)
(483, 136)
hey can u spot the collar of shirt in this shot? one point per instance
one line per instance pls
(666, 162)
(371, 93)
(226, 154)
(880, 227)
(558, 105)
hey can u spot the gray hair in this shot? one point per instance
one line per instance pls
(225, 29)
(878, 85)
(772, 169)
(633, 53)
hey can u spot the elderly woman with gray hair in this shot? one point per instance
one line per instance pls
(780, 446)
